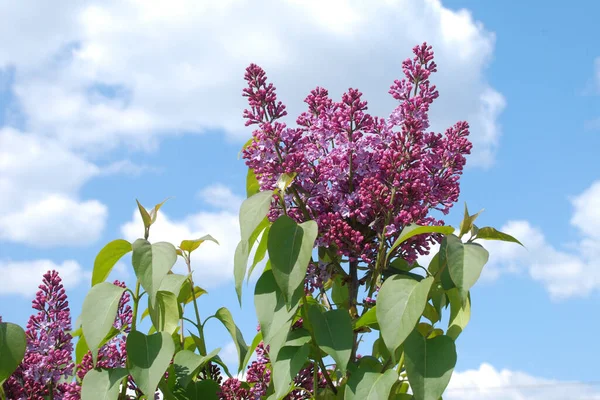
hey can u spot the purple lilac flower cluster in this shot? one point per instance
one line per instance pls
(361, 178)
(259, 377)
(48, 357)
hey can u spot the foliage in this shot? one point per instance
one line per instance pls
(338, 211)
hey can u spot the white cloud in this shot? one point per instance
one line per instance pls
(39, 182)
(212, 263)
(55, 221)
(567, 272)
(24, 277)
(105, 73)
(220, 196)
(487, 383)
(229, 355)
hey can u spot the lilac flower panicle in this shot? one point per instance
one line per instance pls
(48, 357)
(360, 177)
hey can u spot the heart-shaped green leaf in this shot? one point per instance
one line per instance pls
(465, 261)
(102, 384)
(151, 263)
(107, 258)
(429, 364)
(459, 313)
(12, 348)
(148, 357)
(400, 304)
(368, 383)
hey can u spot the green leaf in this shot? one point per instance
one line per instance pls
(148, 357)
(187, 363)
(369, 384)
(12, 348)
(107, 258)
(298, 337)
(81, 349)
(253, 210)
(400, 304)
(102, 384)
(174, 283)
(261, 250)
(154, 212)
(290, 248)
(202, 390)
(151, 263)
(98, 312)
(290, 361)
(459, 313)
(413, 230)
(333, 333)
(367, 319)
(226, 319)
(252, 185)
(273, 316)
(431, 313)
(144, 213)
(164, 313)
(465, 261)
(429, 364)
(489, 233)
(185, 296)
(467, 222)
(191, 245)
(257, 339)
(339, 293)
(242, 252)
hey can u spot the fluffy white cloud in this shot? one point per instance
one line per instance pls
(565, 272)
(24, 277)
(212, 263)
(487, 383)
(39, 182)
(130, 71)
(220, 196)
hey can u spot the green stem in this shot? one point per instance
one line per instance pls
(202, 348)
(136, 300)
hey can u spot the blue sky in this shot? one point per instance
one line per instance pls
(105, 102)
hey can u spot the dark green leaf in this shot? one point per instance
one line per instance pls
(12, 348)
(290, 248)
(187, 363)
(339, 293)
(290, 360)
(368, 383)
(489, 233)
(333, 333)
(148, 357)
(226, 319)
(107, 258)
(429, 364)
(261, 250)
(202, 390)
